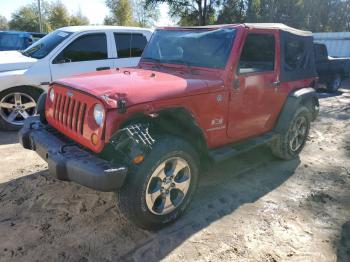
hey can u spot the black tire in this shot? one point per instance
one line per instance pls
(335, 83)
(313, 108)
(131, 197)
(29, 94)
(41, 107)
(282, 147)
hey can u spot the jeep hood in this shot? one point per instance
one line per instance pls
(137, 86)
(14, 60)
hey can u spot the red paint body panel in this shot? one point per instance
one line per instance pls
(143, 85)
(224, 114)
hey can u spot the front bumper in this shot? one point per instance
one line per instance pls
(68, 161)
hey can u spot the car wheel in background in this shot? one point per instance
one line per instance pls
(335, 84)
(16, 105)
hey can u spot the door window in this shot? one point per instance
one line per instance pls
(129, 45)
(85, 48)
(295, 55)
(258, 54)
(320, 52)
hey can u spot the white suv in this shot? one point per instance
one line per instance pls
(64, 52)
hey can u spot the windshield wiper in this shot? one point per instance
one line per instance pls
(156, 60)
(31, 50)
(24, 53)
(182, 62)
(152, 59)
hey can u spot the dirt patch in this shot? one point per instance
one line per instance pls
(251, 208)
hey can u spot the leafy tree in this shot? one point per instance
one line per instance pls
(345, 15)
(58, 15)
(121, 13)
(109, 20)
(233, 11)
(145, 15)
(253, 11)
(78, 19)
(326, 15)
(3, 23)
(289, 12)
(191, 12)
(26, 18)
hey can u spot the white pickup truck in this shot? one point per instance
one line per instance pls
(64, 52)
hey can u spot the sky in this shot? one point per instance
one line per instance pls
(95, 10)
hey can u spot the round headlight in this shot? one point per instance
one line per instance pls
(99, 114)
(52, 94)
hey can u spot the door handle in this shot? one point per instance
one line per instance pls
(276, 84)
(102, 68)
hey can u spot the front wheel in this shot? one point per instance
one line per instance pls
(159, 190)
(289, 145)
(16, 105)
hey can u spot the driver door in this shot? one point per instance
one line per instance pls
(255, 93)
(86, 53)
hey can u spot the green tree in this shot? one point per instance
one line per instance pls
(121, 13)
(191, 12)
(253, 11)
(345, 17)
(326, 15)
(233, 11)
(3, 23)
(289, 12)
(145, 15)
(78, 19)
(26, 18)
(58, 16)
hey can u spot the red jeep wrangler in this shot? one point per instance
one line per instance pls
(198, 93)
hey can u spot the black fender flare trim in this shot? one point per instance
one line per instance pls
(40, 107)
(294, 100)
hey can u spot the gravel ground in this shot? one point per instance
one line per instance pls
(251, 208)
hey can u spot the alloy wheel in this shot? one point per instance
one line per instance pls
(298, 133)
(336, 83)
(168, 186)
(16, 107)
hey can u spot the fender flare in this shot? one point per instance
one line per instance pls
(40, 107)
(304, 96)
(176, 121)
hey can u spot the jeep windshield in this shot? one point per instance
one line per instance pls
(197, 47)
(45, 45)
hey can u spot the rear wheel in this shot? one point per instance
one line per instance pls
(16, 105)
(288, 145)
(159, 190)
(335, 84)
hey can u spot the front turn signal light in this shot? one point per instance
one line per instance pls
(94, 139)
(138, 159)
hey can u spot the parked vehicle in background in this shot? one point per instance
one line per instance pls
(198, 94)
(331, 71)
(338, 43)
(64, 52)
(15, 40)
